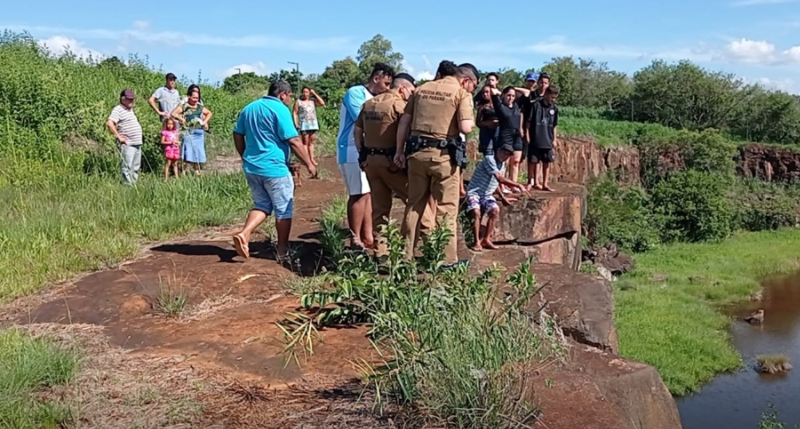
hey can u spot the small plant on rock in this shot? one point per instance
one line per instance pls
(172, 298)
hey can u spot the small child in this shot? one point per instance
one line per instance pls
(542, 127)
(172, 148)
(481, 191)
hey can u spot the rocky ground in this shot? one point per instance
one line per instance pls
(219, 363)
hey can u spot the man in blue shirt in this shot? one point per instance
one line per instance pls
(359, 205)
(263, 134)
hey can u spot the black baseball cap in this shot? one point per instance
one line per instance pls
(127, 93)
(171, 76)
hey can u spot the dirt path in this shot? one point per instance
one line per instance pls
(226, 340)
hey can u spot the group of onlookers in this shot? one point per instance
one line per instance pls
(411, 131)
(184, 122)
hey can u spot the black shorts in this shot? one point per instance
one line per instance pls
(536, 154)
(518, 144)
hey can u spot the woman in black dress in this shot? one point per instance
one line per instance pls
(509, 121)
(487, 123)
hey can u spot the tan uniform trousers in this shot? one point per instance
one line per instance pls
(385, 178)
(430, 173)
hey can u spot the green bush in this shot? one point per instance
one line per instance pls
(762, 206)
(620, 215)
(692, 206)
(451, 347)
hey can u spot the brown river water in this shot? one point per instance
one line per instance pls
(736, 401)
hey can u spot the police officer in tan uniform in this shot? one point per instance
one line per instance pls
(428, 140)
(375, 135)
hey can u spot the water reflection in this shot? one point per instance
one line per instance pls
(736, 401)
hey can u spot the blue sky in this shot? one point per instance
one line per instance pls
(756, 39)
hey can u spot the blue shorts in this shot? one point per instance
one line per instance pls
(272, 194)
(486, 204)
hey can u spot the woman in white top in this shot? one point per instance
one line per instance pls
(305, 118)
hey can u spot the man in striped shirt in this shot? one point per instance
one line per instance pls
(125, 127)
(482, 189)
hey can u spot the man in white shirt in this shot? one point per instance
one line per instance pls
(167, 97)
(125, 127)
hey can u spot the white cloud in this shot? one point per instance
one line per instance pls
(141, 31)
(59, 45)
(759, 52)
(424, 75)
(258, 68)
(786, 84)
(141, 25)
(744, 3)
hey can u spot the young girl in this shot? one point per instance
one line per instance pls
(172, 148)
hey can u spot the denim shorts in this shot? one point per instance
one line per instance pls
(272, 194)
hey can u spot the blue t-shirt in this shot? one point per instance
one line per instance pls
(266, 124)
(353, 100)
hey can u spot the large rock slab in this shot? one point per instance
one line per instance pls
(581, 304)
(597, 390)
(542, 216)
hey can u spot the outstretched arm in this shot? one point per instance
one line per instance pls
(318, 101)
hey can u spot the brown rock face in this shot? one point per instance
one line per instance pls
(578, 160)
(581, 304)
(549, 222)
(595, 390)
(768, 163)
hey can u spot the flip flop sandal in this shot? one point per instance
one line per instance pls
(242, 248)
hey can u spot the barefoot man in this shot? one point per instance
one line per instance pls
(263, 135)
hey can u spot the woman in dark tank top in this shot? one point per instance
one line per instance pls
(509, 121)
(487, 123)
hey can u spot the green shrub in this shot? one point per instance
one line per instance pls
(692, 206)
(620, 215)
(451, 347)
(761, 206)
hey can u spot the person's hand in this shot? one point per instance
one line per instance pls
(122, 139)
(312, 170)
(509, 200)
(400, 160)
(163, 114)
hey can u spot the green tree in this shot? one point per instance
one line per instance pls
(587, 83)
(768, 116)
(686, 96)
(344, 72)
(248, 81)
(377, 50)
(294, 77)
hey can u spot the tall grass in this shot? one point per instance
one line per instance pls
(451, 347)
(28, 365)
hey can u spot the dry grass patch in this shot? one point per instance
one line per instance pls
(773, 364)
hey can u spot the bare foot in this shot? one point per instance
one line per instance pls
(240, 242)
(476, 248)
(538, 187)
(314, 161)
(547, 188)
(489, 245)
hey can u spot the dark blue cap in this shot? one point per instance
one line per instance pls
(532, 76)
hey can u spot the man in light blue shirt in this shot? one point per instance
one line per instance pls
(263, 135)
(359, 205)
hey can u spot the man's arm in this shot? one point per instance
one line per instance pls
(403, 130)
(112, 126)
(358, 131)
(152, 102)
(295, 115)
(238, 141)
(299, 149)
(466, 122)
(555, 127)
(353, 101)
